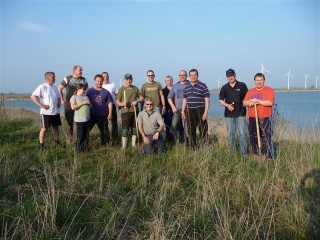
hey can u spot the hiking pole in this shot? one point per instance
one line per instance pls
(135, 118)
(257, 126)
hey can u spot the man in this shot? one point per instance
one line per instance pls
(111, 87)
(168, 114)
(195, 108)
(263, 97)
(231, 97)
(175, 99)
(152, 89)
(151, 127)
(70, 83)
(101, 110)
(46, 96)
(128, 98)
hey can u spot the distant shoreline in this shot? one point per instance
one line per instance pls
(26, 96)
(283, 90)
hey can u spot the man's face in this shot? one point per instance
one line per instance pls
(128, 82)
(77, 72)
(51, 79)
(169, 82)
(182, 76)
(98, 82)
(259, 82)
(193, 77)
(149, 106)
(231, 78)
(150, 76)
(105, 78)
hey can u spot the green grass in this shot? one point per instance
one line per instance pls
(110, 194)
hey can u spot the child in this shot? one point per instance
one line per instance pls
(81, 104)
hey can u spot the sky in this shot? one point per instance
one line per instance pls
(165, 35)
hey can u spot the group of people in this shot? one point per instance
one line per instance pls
(158, 115)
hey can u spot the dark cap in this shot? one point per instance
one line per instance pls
(230, 72)
(128, 75)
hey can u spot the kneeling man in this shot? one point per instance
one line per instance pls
(151, 126)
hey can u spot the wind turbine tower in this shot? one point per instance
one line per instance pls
(317, 81)
(263, 69)
(218, 83)
(305, 80)
(289, 76)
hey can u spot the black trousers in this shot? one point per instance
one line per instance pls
(102, 123)
(114, 122)
(194, 121)
(83, 129)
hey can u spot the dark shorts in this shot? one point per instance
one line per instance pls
(50, 120)
(128, 120)
(69, 115)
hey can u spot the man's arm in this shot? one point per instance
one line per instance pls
(229, 106)
(36, 100)
(184, 104)
(206, 108)
(60, 88)
(110, 110)
(162, 101)
(173, 107)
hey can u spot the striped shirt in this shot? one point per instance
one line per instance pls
(195, 94)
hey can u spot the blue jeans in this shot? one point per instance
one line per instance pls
(240, 124)
(148, 148)
(176, 125)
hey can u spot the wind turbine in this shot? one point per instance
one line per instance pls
(289, 76)
(263, 69)
(305, 80)
(316, 78)
(218, 83)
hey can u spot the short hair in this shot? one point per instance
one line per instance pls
(104, 73)
(150, 71)
(194, 70)
(185, 72)
(48, 73)
(76, 66)
(259, 75)
(149, 100)
(169, 77)
(98, 75)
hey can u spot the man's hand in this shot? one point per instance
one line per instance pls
(156, 136)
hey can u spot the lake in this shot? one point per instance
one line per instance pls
(300, 108)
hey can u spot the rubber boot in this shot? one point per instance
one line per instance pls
(124, 142)
(133, 141)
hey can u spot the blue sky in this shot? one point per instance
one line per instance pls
(166, 36)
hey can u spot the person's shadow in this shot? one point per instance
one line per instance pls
(310, 190)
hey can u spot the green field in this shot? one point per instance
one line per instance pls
(106, 193)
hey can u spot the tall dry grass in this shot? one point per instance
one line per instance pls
(212, 193)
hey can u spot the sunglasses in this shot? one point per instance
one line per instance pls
(150, 75)
(149, 104)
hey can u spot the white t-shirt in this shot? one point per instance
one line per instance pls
(48, 95)
(111, 87)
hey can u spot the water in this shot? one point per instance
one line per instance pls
(300, 108)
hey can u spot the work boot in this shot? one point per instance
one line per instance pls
(133, 141)
(124, 142)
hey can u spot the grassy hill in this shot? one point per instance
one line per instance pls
(106, 193)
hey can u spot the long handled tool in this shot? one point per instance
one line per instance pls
(135, 116)
(257, 126)
(124, 96)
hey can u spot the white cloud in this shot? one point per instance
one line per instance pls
(34, 27)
